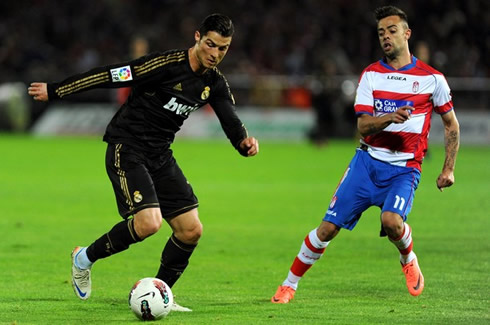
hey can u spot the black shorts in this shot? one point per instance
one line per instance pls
(148, 180)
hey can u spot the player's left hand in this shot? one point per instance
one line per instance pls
(445, 179)
(251, 145)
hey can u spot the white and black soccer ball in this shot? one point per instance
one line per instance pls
(150, 299)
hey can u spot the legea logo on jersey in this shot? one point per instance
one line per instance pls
(121, 74)
(180, 109)
(390, 105)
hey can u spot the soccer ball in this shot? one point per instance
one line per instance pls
(150, 299)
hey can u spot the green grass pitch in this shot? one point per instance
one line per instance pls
(54, 195)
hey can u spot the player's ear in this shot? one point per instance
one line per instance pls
(197, 36)
(408, 33)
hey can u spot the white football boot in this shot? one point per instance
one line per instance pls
(80, 278)
(177, 307)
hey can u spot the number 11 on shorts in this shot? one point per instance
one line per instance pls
(399, 202)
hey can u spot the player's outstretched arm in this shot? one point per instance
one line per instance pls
(368, 124)
(39, 91)
(251, 145)
(451, 142)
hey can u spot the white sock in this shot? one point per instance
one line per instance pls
(317, 243)
(81, 259)
(405, 259)
(292, 280)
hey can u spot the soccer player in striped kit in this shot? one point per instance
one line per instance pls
(396, 97)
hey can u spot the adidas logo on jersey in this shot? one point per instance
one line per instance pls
(180, 109)
(178, 87)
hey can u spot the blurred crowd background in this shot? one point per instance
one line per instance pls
(295, 53)
(43, 39)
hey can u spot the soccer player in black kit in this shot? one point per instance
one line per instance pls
(148, 183)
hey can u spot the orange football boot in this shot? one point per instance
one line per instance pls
(283, 295)
(415, 279)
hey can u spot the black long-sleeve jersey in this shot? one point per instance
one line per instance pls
(164, 92)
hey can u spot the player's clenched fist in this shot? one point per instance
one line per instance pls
(251, 145)
(445, 179)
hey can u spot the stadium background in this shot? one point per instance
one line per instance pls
(299, 55)
(286, 56)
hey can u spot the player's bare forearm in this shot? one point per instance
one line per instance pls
(367, 124)
(452, 148)
(451, 141)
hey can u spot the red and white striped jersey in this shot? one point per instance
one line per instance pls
(383, 89)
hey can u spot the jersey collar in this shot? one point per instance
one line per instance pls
(404, 68)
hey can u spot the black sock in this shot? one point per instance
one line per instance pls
(116, 240)
(175, 258)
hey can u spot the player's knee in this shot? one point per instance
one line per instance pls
(153, 226)
(195, 233)
(327, 231)
(147, 222)
(392, 224)
(192, 234)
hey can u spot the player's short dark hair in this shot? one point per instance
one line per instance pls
(386, 11)
(218, 23)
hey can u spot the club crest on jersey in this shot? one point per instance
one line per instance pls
(390, 105)
(121, 74)
(180, 109)
(205, 93)
(137, 197)
(415, 86)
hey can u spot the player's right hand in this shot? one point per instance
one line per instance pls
(39, 91)
(402, 114)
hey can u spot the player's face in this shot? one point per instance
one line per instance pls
(211, 49)
(393, 36)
